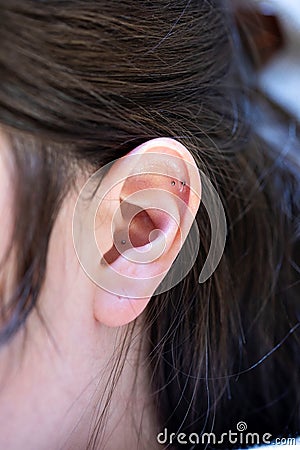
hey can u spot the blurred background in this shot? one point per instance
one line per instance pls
(270, 32)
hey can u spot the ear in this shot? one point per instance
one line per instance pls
(142, 212)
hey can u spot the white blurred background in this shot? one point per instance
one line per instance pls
(280, 79)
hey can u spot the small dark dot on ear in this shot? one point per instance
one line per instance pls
(123, 241)
(173, 183)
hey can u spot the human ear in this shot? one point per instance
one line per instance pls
(135, 225)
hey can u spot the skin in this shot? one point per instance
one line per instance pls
(53, 377)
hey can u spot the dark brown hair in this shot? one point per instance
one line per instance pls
(84, 82)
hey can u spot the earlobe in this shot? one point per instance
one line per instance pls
(148, 201)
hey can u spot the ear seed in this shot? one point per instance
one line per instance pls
(183, 183)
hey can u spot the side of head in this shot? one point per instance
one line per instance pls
(83, 87)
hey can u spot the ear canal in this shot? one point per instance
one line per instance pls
(135, 231)
(141, 226)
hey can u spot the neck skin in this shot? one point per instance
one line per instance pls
(57, 374)
(51, 398)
